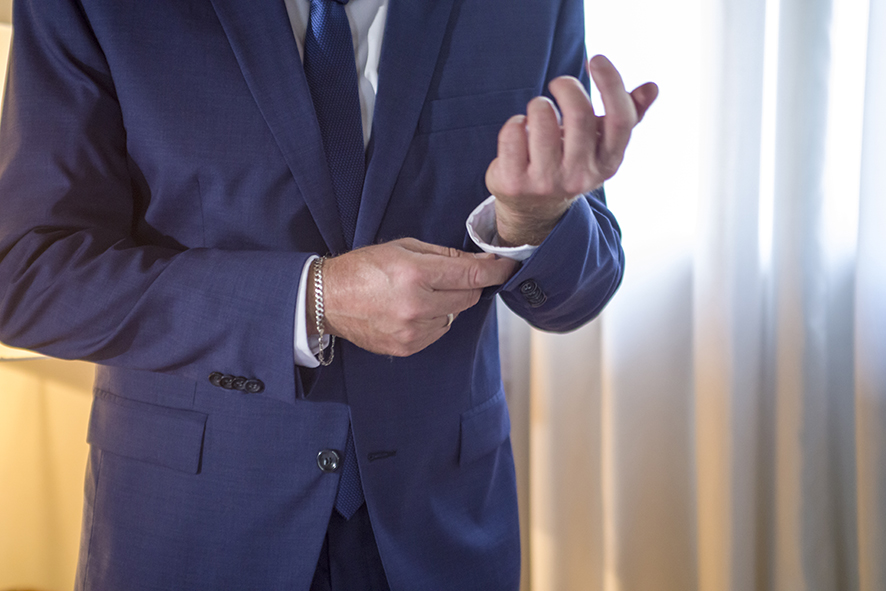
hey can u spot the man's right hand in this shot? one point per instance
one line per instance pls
(394, 298)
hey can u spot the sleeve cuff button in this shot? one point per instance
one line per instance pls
(532, 293)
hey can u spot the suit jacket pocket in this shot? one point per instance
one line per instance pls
(484, 428)
(475, 110)
(169, 437)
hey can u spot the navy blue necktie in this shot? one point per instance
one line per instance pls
(331, 71)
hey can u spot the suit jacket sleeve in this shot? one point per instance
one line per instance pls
(75, 280)
(577, 269)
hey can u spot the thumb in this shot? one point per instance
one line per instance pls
(419, 247)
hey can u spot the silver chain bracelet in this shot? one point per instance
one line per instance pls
(320, 313)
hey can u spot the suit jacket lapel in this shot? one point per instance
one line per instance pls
(262, 40)
(414, 33)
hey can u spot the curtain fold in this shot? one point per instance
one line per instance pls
(870, 316)
(728, 306)
(723, 426)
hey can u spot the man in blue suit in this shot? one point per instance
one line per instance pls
(165, 197)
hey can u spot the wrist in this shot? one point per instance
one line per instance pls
(516, 228)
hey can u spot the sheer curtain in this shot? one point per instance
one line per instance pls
(723, 425)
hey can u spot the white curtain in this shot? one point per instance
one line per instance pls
(723, 426)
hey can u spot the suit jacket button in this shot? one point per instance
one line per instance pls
(226, 382)
(215, 378)
(532, 293)
(239, 383)
(328, 460)
(254, 386)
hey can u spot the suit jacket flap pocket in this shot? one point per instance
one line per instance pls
(484, 428)
(169, 437)
(491, 108)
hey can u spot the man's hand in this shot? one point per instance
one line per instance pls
(394, 298)
(541, 166)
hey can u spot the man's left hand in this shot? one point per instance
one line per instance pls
(543, 165)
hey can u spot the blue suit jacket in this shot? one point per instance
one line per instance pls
(162, 183)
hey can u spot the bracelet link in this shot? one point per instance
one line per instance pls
(320, 313)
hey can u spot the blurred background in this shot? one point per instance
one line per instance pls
(722, 427)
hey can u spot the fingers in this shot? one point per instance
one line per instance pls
(528, 146)
(447, 269)
(453, 280)
(468, 273)
(643, 97)
(580, 127)
(422, 334)
(513, 148)
(545, 138)
(419, 247)
(621, 114)
(440, 303)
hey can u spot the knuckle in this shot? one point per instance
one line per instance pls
(580, 182)
(408, 312)
(624, 123)
(477, 276)
(546, 184)
(507, 185)
(574, 185)
(409, 274)
(511, 185)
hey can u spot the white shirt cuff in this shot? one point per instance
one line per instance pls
(482, 230)
(305, 352)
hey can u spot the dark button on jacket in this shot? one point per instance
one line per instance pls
(532, 293)
(215, 378)
(328, 460)
(229, 382)
(254, 386)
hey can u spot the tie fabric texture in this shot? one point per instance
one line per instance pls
(331, 71)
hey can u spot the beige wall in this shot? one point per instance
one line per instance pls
(5, 11)
(44, 407)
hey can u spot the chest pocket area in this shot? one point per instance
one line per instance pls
(475, 110)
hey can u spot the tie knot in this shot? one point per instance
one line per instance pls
(342, 2)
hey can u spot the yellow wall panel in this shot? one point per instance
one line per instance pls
(44, 409)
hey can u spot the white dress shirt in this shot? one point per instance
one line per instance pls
(367, 19)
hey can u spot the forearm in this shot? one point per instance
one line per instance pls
(80, 296)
